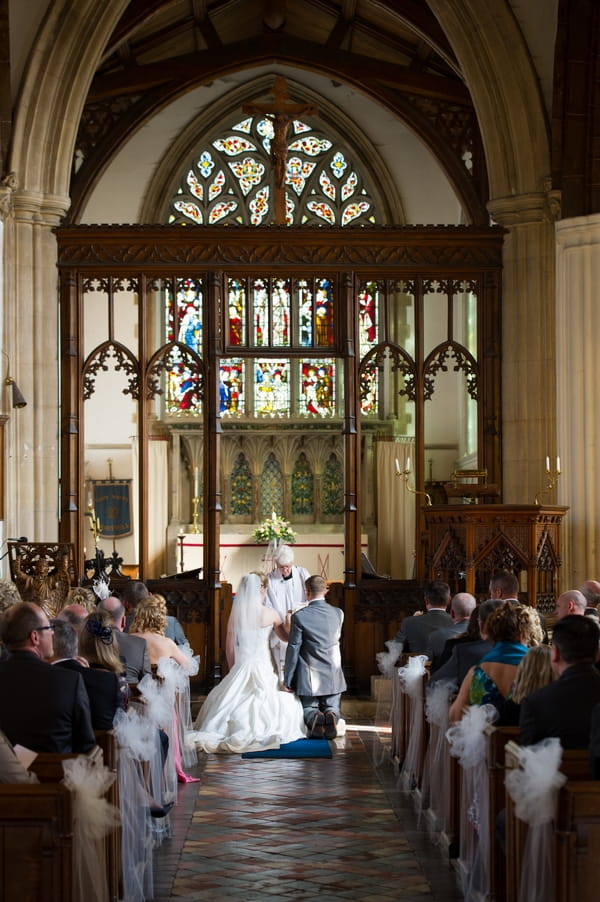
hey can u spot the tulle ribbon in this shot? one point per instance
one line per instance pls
(435, 790)
(467, 743)
(94, 817)
(386, 660)
(533, 787)
(411, 680)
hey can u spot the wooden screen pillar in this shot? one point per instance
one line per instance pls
(212, 461)
(352, 507)
(72, 521)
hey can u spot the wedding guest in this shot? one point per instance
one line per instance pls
(43, 708)
(11, 768)
(104, 679)
(133, 650)
(415, 630)
(512, 628)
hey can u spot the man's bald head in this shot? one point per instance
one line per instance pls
(591, 592)
(74, 614)
(114, 607)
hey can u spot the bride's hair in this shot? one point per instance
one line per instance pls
(247, 604)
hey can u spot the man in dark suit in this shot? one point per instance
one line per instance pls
(133, 650)
(564, 708)
(415, 630)
(42, 707)
(313, 660)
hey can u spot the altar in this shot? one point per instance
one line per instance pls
(321, 552)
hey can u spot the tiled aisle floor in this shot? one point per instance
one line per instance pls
(325, 829)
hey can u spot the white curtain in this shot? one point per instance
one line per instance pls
(396, 511)
(157, 486)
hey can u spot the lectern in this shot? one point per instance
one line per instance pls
(466, 543)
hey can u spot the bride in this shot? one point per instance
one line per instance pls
(247, 711)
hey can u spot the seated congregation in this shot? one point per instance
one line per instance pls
(496, 732)
(92, 743)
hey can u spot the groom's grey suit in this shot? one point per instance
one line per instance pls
(313, 662)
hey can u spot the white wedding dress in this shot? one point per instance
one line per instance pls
(246, 711)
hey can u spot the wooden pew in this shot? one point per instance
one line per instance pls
(577, 837)
(48, 769)
(497, 738)
(575, 766)
(36, 843)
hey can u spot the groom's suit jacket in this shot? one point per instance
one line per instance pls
(313, 661)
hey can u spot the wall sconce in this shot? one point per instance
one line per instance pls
(18, 399)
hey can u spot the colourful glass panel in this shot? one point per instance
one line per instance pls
(300, 127)
(349, 187)
(353, 211)
(259, 206)
(236, 312)
(216, 186)
(317, 378)
(233, 145)
(327, 185)
(332, 488)
(281, 306)
(189, 210)
(305, 307)
(260, 313)
(187, 324)
(322, 210)
(369, 389)
(303, 488)
(367, 323)
(194, 185)
(244, 126)
(249, 172)
(222, 209)
(311, 145)
(241, 487)
(205, 164)
(338, 165)
(297, 173)
(183, 390)
(324, 313)
(272, 388)
(270, 488)
(231, 388)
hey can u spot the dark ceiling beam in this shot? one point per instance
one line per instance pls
(136, 14)
(343, 25)
(195, 68)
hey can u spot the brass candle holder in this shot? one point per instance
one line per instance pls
(195, 506)
(551, 480)
(405, 474)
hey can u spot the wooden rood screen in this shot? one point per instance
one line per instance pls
(353, 328)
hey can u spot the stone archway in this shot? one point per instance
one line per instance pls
(61, 67)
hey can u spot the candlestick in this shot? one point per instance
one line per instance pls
(551, 479)
(398, 471)
(547, 464)
(273, 516)
(405, 474)
(408, 464)
(558, 465)
(196, 483)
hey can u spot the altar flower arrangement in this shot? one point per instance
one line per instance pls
(274, 529)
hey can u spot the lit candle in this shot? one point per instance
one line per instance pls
(397, 466)
(558, 464)
(196, 482)
(408, 464)
(547, 464)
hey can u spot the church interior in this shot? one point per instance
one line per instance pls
(322, 270)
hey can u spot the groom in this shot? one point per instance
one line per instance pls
(313, 662)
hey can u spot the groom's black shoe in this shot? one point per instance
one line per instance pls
(330, 725)
(316, 729)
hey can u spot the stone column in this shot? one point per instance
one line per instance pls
(578, 393)
(31, 341)
(528, 345)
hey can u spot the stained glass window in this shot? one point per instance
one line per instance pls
(272, 388)
(231, 388)
(276, 312)
(229, 180)
(302, 488)
(241, 487)
(318, 388)
(271, 488)
(332, 488)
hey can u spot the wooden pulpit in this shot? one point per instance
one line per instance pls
(466, 543)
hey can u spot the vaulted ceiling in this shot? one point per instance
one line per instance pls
(394, 51)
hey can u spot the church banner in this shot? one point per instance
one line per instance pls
(112, 506)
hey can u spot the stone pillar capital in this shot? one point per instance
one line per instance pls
(525, 209)
(41, 209)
